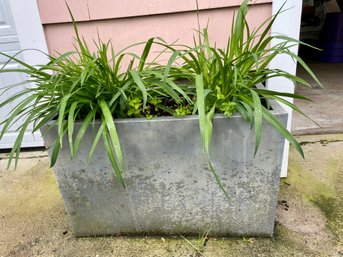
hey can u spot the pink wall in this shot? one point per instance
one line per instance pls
(85, 10)
(134, 21)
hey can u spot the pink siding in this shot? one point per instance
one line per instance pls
(56, 11)
(85, 10)
(171, 26)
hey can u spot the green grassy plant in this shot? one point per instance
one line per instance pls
(199, 245)
(85, 86)
(226, 79)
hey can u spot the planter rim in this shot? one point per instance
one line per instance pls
(277, 109)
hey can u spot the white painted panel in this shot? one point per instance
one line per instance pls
(288, 23)
(7, 141)
(30, 30)
(20, 28)
(7, 27)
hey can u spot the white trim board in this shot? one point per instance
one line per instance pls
(288, 23)
(29, 29)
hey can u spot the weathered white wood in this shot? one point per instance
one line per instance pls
(20, 28)
(288, 23)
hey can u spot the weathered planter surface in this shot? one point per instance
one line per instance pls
(170, 189)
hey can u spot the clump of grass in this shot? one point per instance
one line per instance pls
(199, 245)
(86, 86)
(226, 79)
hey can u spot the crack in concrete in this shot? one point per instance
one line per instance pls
(322, 141)
(26, 158)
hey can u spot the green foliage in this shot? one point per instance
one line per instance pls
(82, 86)
(85, 86)
(134, 107)
(229, 76)
(198, 246)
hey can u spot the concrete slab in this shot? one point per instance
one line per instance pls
(326, 108)
(309, 223)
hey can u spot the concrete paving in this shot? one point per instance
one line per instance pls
(326, 107)
(309, 216)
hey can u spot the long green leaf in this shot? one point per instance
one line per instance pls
(140, 85)
(55, 153)
(111, 157)
(17, 111)
(46, 118)
(71, 122)
(208, 128)
(96, 140)
(18, 141)
(145, 54)
(220, 184)
(90, 116)
(61, 115)
(112, 133)
(257, 118)
(304, 65)
(282, 130)
(276, 93)
(199, 82)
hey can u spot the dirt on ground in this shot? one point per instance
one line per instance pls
(309, 220)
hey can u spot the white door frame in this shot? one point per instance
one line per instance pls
(288, 23)
(29, 29)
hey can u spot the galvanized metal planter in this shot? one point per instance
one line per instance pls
(170, 189)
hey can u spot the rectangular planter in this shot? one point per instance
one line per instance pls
(170, 189)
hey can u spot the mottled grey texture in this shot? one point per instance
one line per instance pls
(170, 189)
